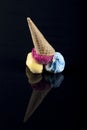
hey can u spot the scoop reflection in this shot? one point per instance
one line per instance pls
(41, 85)
(33, 78)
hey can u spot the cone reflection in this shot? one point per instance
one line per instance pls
(41, 86)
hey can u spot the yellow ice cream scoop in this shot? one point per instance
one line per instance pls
(33, 65)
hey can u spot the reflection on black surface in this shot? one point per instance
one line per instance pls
(33, 78)
(41, 85)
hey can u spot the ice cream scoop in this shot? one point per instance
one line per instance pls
(42, 59)
(57, 65)
(33, 65)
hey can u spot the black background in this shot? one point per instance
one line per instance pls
(61, 22)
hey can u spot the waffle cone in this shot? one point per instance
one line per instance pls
(40, 43)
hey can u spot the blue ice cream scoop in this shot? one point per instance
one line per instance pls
(57, 65)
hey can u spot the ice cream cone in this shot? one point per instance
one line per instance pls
(40, 43)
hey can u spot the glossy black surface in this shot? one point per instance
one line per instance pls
(59, 107)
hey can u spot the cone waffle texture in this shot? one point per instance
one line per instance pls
(40, 43)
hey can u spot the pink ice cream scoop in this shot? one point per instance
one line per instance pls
(42, 59)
